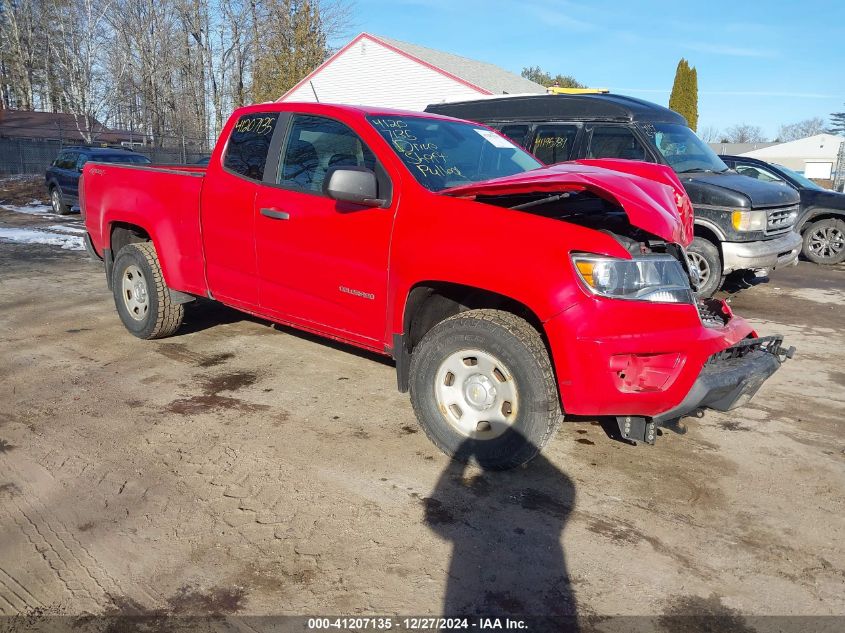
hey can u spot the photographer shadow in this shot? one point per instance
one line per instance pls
(505, 528)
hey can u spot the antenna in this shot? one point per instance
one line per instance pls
(314, 90)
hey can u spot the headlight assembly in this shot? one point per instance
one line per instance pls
(659, 278)
(748, 220)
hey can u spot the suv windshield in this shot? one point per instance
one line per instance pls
(682, 149)
(442, 154)
(801, 180)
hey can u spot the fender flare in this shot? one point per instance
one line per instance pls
(814, 212)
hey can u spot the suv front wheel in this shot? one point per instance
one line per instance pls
(824, 241)
(704, 257)
(483, 389)
(59, 207)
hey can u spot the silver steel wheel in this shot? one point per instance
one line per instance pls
(56, 201)
(699, 263)
(826, 242)
(135, 295)
(476, 393)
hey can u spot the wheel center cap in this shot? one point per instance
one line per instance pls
(140, 292)
(479, 391)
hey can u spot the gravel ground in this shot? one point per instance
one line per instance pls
(245, 468)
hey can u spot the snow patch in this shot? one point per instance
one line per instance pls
(30, 236)
(33, 208)
(67, 228)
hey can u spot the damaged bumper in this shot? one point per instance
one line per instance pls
(728, 380)
(731, 377)
(765, 254)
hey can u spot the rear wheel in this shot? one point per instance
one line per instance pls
(824, 241)
(483, 389)
(59, 207)
(704, 257)
(142, 299)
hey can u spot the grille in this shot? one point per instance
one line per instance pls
(781, 220)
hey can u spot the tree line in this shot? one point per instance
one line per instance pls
(169, 70)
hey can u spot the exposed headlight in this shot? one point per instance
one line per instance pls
(748, 220)
(659, 278)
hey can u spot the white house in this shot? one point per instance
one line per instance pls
(815, 156)
(376, 70)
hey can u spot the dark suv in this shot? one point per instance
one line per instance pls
(62, 177)
(821, 222)
(740, 224)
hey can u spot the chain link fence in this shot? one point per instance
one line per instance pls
(33, 156)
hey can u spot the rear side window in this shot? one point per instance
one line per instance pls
(517, 133)
(246, 151)
(553, 143)
(614, 141)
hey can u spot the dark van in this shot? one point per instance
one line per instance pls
(740, 224)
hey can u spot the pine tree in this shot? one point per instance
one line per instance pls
(294, 44)
(837, 123)
(692, 91)
(684, 97)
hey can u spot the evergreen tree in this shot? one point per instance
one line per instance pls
(540, 76)
(684, 97)
(837, 123)
(293, 43)
(692, 89)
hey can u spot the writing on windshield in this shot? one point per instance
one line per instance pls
(442, 154)
(682, 149)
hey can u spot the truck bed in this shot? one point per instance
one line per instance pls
(163, 199)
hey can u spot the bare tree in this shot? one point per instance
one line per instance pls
(710, 134)
(81, 33)
(745, 133)
(801, 129)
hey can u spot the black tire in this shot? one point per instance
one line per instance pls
(520, 350)
(705, 256)
(56, 201)
(824, 241)
(159, 316)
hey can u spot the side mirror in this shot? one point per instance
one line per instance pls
(353, 184)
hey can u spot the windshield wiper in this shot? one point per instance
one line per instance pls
(698, 170)
(534, 203)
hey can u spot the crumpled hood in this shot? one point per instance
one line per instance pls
(651, 195)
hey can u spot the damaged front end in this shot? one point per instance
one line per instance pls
(636, 353)
(729, 379)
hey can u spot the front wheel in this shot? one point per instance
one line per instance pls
(824, 241)
(142, 299)
(704, 257)
(59, 207)
(483, 389)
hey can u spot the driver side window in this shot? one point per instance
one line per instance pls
(615, 141)
(314, 146)
(753, 171)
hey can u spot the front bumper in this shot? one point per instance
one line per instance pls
(768, 254)
(731, 377)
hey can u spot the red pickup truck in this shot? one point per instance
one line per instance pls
(507, 292)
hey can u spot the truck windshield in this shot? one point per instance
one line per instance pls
(682, 149)
(442, 154)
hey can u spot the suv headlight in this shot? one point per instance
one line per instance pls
(658, 277)
(748, 220)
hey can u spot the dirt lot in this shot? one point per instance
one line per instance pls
(244, 468)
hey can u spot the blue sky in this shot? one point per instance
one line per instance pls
(760, 62)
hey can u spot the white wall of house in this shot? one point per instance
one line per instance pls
(815, 156)
(369, 73)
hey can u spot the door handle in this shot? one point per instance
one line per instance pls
(275, 214)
